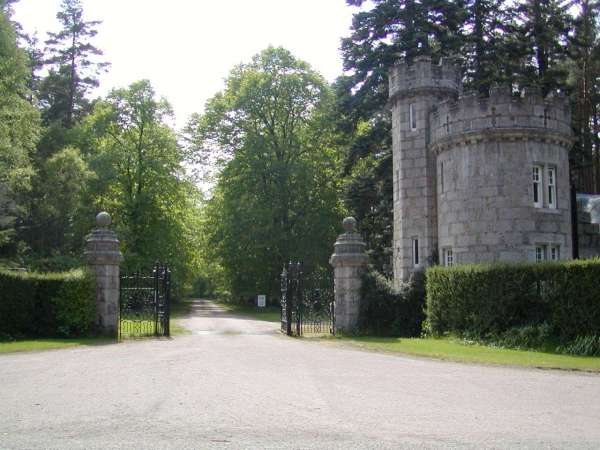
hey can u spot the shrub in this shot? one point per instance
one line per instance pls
(482, 300)
(46, 305)
(389, 312)
(583, 346)
(527, 337)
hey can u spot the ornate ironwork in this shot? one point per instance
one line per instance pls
(307, 301)
(144, 303)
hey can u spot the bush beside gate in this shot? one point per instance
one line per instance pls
(46, 305)
(482, 300)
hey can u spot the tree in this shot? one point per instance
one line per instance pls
(276, 198)
(544, 28)
(141, 180)
(59, 187)
(19, 131)
(73, 70)
(584, 83)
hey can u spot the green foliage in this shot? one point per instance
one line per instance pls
(141, 181)
(389, 312)
(277, 194)
(73, 68)
(46, 305)
(19, 130)
(527, 337)
(482, 300)
(583, 346)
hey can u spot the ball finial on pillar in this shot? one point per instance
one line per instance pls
(103, 220)
(349, 224)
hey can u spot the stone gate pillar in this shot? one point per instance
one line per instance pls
(103, 257)
(349, 261)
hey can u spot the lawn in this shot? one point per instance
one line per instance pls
(456, 350)
(28, 345)
(268, 314)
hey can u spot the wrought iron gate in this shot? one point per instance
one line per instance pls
(307, 302)
(144, 303)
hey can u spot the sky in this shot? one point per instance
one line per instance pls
(186, 48)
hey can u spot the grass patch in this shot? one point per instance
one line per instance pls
(268, 314)
(31, 345)
(457, 350)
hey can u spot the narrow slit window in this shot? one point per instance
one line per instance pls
(412, 116)
(551, 187)
(442, 176)
(537, 186)
(415, 249)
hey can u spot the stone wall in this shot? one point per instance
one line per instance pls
(485, 204)
(421, 85)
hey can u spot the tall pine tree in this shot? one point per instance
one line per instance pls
(73, 67)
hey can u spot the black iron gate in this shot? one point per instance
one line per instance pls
(144, 303)
(307, 301)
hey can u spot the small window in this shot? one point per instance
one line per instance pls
(540, 253)
(415, 251)
(448, 257)
(554, 253)
(537, 187)
(442, 175)
(412, 116)
(551, 188)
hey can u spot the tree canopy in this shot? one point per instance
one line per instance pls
(276, 197)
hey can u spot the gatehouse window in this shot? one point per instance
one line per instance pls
(540, 253)
(551, 188)
(554, 253)
(412, 116)
(547, 252)
(448, 257)
(415, 251)
(544, 186)
(537, 187)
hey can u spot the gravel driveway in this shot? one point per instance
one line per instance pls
(237, 383)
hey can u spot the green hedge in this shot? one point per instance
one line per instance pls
(389, 312)
(46, 305)
(481, 300)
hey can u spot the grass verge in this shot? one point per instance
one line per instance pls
(460, 351)
(178, 310)
(30, 345)
(268, 314)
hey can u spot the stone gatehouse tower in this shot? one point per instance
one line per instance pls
(476, 179)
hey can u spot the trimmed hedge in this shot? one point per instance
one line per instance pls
(483, 300)
(388, 312)
(46, 305)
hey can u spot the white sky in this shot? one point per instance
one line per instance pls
(186, 48)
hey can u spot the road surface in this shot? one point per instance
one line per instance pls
(237, 383)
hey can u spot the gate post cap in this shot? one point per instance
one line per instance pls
(103, 220)
(349, 224)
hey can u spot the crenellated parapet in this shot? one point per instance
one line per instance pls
(411, 79)
(472, 118)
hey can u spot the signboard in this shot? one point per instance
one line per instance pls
(261, 301)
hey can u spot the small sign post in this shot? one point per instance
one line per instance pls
(261, 301)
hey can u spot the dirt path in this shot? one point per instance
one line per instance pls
(207, 317)
(238, 384)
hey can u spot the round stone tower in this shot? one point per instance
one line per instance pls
(502, 169)
(414, 90)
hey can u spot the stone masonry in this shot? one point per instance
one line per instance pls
(103, 257)
(349, 261)
(476, 179)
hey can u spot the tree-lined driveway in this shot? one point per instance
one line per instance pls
(237, 383)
